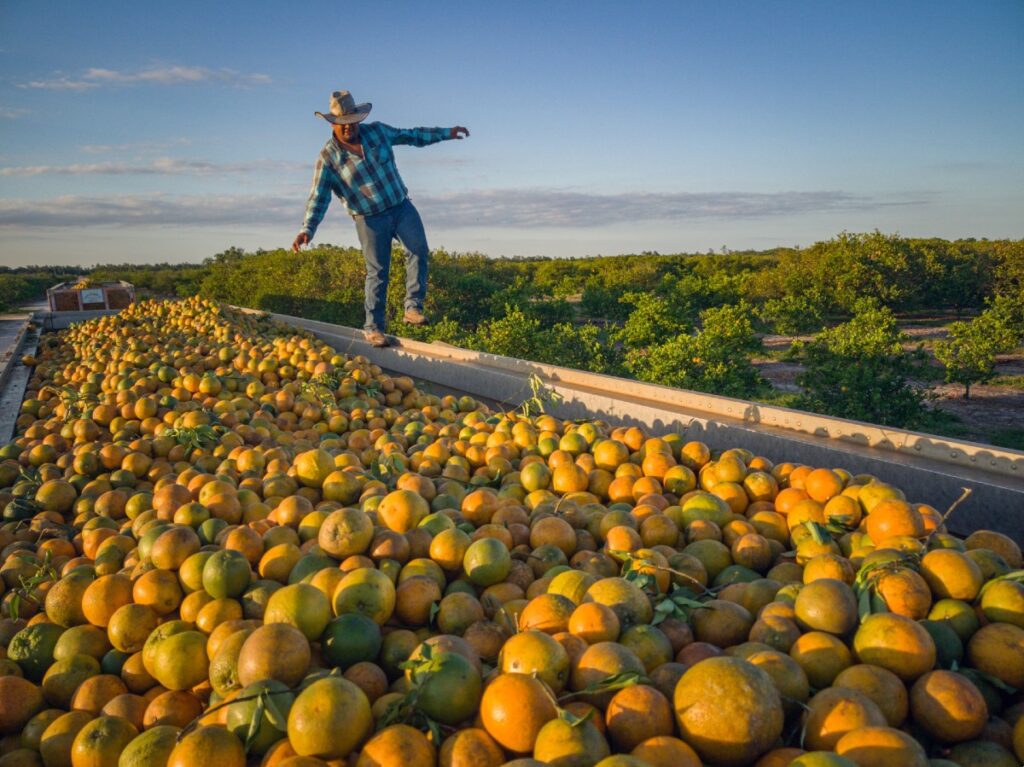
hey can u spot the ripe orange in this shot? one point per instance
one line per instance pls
(471, 747)
(514, 708)
(397, 744)
(100, 742)
(637, 713)
(892, 518)
(948, 707)
(208, 746)
(823, 484)
(329, 718)
(895, 643)
(835, 711)
(881, 746)
(536, 653)
(728, 710)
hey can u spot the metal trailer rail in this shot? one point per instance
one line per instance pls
(928, 468)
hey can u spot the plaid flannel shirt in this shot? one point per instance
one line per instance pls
(369, 184)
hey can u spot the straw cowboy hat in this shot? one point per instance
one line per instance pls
(345, 110)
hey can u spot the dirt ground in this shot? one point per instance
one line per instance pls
(990, 409)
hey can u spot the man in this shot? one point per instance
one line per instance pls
(358, 165)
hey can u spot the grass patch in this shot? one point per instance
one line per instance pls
(779, 399)
(1011, 438)
(1014, 382)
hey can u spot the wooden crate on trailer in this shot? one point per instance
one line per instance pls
(85, 296)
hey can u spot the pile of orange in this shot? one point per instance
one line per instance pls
(225, 543)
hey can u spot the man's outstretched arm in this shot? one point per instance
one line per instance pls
(422, 136)
(316, 206)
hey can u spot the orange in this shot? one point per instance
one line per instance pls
(559, 742)
(721, 623)
(365, 591)
(625, 598)
(208, 746)
(895, 643)
(96, 691)
(534, 652)
(549, 613)
(892, 518)
(448, 548)
(173, 547)
(826, 605)
(487, 561)
(822, 656)
(843, 510)
(728, 710)
(835, 711)
(159, 590)
(666, 751)
(300, 605)
(952, 575)
(514, 708)
(103, 596)
(904, 592)
(471, 747)
(948, 707)
(569, 478)
(823, 484)
(175, 656)
(787, 675)
(274, 651)
(58, 738)
(416, 598)
(449, 689)
(594, 623)
(172, 708)
(64, 676)
(1003, 601)
(398, 744)
(1001, 544)
(998, 649)
(313, 467)
(130, 625)
(637, 713)
(100, 742)
(329, 718)
(599, 662)
(64, 599)
(882, 686)
(880, 747)
(402, 510)
(20, 700)
(129, 707)
(555, 531)
(154, 746)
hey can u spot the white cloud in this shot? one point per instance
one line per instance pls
(511, 209)
(564, 208)
(162, 166)
(96, 77)
(133, 146)
(150, 209)
(12, 113)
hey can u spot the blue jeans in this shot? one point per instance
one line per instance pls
(376, 232)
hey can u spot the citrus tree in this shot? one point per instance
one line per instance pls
(861, 370)
(969, 354)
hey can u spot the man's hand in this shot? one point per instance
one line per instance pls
(302, 239)
(458, 132)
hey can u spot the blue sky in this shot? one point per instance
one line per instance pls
(145, 132)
